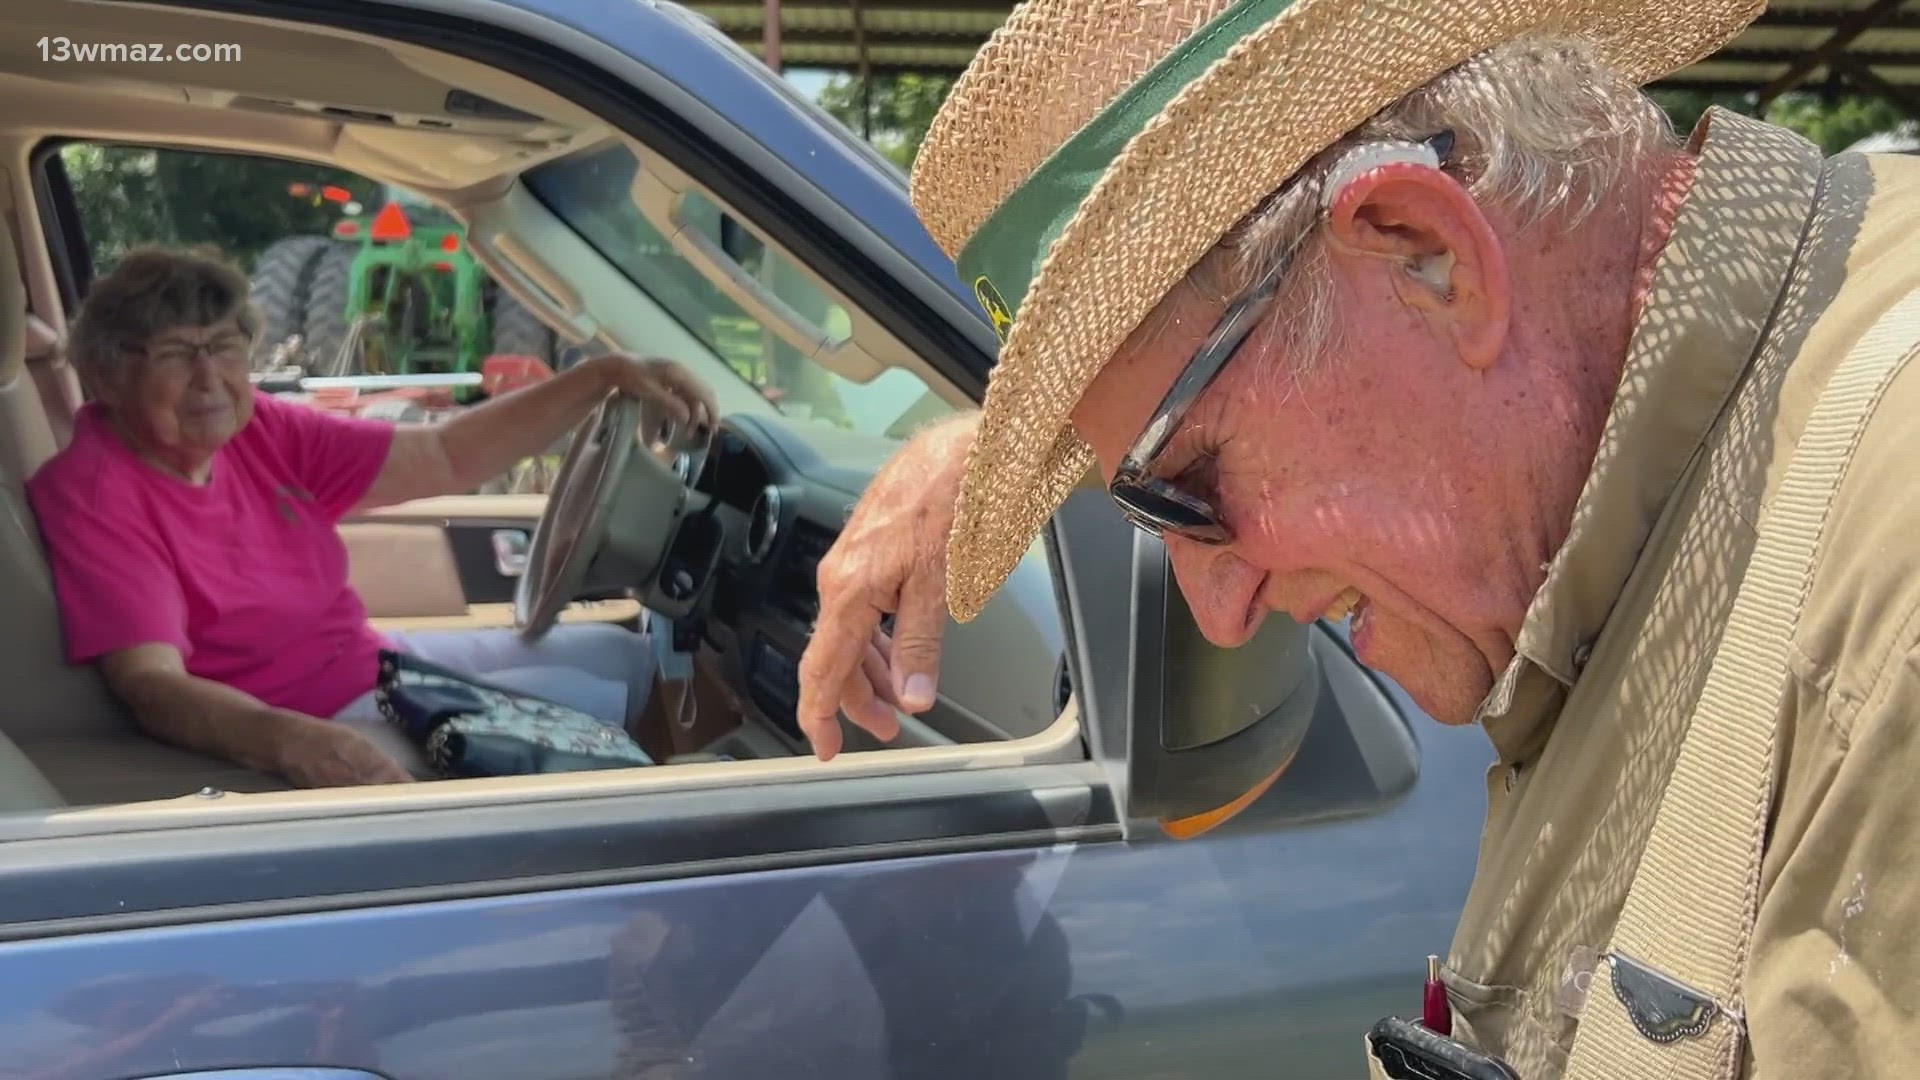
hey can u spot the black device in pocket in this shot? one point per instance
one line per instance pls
(1407, 1051)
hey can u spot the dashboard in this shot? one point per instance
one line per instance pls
(782, 489)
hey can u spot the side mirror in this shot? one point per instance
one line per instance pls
(1287, 729)
(1212, 729)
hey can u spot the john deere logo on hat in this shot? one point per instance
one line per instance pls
(995, 305)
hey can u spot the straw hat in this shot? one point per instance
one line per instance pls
(1096, 149)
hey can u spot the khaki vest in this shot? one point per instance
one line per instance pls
(1615, 650)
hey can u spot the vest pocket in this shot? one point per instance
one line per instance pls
(1505, 1021)
(1482, 1012)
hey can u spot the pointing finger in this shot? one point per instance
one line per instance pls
(834, 652)
(915, 652)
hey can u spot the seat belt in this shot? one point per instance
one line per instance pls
(1667, 1000)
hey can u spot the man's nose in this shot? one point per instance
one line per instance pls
(1218, 588)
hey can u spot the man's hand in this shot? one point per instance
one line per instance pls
(664, 386)
(321, 753)
(890, 559)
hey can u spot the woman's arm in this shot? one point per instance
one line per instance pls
(481, 443)
(180, 708)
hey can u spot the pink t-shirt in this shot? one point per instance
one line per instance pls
(245, 575)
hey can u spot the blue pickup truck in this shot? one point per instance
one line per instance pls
(992, 895)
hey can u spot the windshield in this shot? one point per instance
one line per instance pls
(593, 194)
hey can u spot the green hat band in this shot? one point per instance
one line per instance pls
(1003, 257)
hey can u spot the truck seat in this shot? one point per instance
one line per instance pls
(79, 742)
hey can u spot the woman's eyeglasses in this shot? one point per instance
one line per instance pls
(227, 349)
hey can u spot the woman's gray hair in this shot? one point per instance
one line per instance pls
(153, 289)
(1544, 131)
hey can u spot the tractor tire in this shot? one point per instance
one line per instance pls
(281, 276)
(517, 331)
(325, 323)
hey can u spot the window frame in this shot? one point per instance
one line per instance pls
(200, 857)
(221, 856)
(187, 866)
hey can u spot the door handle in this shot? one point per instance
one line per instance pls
(510, 551)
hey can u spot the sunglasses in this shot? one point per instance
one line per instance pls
(1156, 505)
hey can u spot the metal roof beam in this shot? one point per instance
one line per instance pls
(770, 37)
(912, 7)
(1864, 77)
(1870, 57)
(866, 70)
(1804, 18)
(1856, 24)
(1708, 86)
(852, 37)
(1833, 19)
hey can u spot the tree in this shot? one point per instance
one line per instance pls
(898, 108)
(128, 196)
(1685, 107)
(1832, 122)
(1837, 123)
(893, 115)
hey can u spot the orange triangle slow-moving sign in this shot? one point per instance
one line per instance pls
(391, 223)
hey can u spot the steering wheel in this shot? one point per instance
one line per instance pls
(610, 520)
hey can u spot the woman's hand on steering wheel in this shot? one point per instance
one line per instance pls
(664, 387)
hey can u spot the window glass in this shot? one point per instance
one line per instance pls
(593, 193)
(350, 277)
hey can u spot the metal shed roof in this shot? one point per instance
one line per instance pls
(1860, 45)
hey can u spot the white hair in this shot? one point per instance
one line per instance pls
(1544, 132)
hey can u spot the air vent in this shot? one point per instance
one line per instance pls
(358, 114)
(341, 112)
(465, 103)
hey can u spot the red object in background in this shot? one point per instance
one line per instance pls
(346, 229)
(338, 399)
(505, 374)
(1436, 1013)
(336, 194)
(391, 223)
(427, 397)
(450, 242)
(354, 402)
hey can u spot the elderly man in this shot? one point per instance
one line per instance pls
(1420, 312)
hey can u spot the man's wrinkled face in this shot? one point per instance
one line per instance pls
(186, 392)
(1347, 484)
(1365, 484)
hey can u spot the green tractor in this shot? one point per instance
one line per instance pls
(394, 291)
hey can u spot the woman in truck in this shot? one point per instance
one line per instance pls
(191, 527)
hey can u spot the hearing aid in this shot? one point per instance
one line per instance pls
(1434, 271)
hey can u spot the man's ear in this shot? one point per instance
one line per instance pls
(1451, 262)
